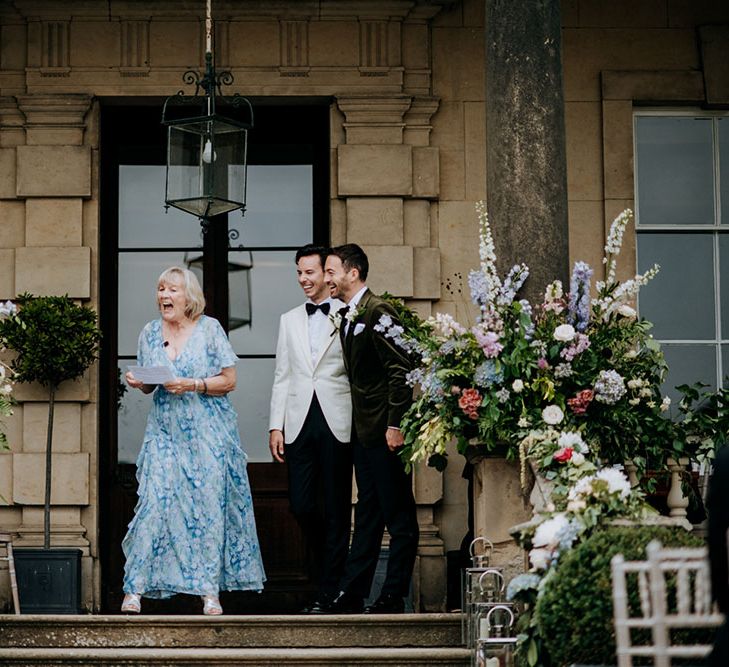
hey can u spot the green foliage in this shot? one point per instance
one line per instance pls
(53, 338)
(574, 611)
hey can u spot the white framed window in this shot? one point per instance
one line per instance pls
(682, 224)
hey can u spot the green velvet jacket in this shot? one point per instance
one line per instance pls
(376, 368)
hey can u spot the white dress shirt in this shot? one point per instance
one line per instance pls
(318, 330)
(353, 303)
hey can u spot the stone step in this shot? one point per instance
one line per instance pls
(420, 631)
(214, 657)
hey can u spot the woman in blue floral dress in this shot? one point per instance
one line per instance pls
(193, 530)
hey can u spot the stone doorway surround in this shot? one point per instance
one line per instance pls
(371, 57)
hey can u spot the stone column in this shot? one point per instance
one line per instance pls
(387, 176)
(527, 202)
(526, 161)
(53, 179)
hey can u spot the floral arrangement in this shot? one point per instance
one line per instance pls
(522, 375)
(6, 379)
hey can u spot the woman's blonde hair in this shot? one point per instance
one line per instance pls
(195, 299)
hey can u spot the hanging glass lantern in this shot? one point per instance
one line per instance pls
(206, 152)
(496, 644)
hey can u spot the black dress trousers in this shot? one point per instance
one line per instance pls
(384, 500)
(320, 493)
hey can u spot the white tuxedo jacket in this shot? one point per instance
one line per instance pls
(297, 377)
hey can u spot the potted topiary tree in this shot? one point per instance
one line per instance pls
(54, 340)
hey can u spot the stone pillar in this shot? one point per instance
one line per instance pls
(526, 159)
(53, 183)
(387, 176)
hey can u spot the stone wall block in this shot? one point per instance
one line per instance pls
(426, 172)
(587, 234)
(13, 428)
(583, 131)
(6, 477)
(714, 45)
(53, 222)
(374, 120)
(428, 486)
(69, 475)
(474, 116)
(337, 222)
(70, 390)
(452, 175)
(391, 269)
(39, 175)
(416, 222)
(653, 86)
(66, 427)
(426, 273)
(12, 132)
(617, 141)
(7, 274)
(54, 119)
(375, 170)
(54, 271)
(7, 173)
(375, 220)
(12, 223)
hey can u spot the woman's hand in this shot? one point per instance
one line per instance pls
(132, 381)
(180, 385)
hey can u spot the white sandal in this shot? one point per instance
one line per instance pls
(211, 605)
(132, 603)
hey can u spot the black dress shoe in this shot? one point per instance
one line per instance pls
(386, 604)
(343, 603)
(319, 604)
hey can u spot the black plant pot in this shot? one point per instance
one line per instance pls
(49, 580)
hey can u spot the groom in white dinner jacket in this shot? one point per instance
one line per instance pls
(311, 422)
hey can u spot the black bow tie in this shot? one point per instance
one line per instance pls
(342, 312)
(311, 308)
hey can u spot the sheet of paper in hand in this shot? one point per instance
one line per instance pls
(152, 374)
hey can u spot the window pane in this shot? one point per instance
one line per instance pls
(143, 222)
(688, 364)
(724, 168)
(680, 299)
(138, 273)
(274, 290)
(251, 400)
(132, 419)
(279, 208)
(675, 171)
(724, 284)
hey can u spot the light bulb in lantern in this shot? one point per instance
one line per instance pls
(208, 155)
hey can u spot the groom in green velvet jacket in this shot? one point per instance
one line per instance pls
(380, 397)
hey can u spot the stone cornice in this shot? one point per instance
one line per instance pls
(67, 110)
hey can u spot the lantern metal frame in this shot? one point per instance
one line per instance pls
(208, 94)
(503, 639)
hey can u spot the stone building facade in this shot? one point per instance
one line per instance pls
(405, 83)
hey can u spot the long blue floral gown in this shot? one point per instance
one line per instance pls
(193, 530)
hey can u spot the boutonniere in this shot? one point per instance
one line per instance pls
(352, 315)
(336, 320)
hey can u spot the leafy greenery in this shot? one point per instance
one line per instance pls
(574, 611)
(54, 339)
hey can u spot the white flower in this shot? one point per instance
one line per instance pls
(547, 532)
(577, 459)
(651, 404)
(552, 414)
(540, 558)
(574, 440)
(582, 488)
(523, 422)
(336, 320)
(352, 315)
(6, 389)
(665, 403)
(645, 392)
(616, 480)
(576, 505)
(626, 311)
(637, 383)
(517, 386)
(634, 401)
(631, 354)
(7, 308)
(564, 333)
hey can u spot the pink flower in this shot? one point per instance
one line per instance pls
(542, 363)
(581, 401)
(563, 455)
(455, 390)
(469, 402)
(489, 342)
